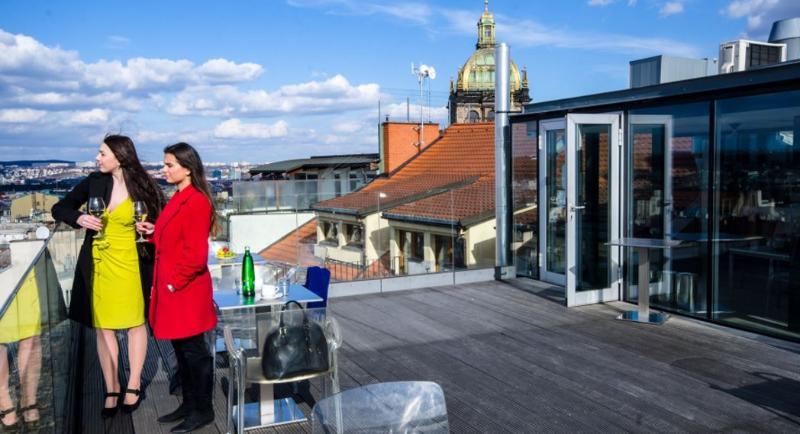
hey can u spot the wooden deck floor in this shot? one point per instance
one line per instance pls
(511, 358)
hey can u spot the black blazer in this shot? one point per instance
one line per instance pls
(67, 210)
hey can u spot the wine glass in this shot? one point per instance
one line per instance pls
(97, 206)
(139, 216)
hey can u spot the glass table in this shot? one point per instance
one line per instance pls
(250, 313)
(643, 246)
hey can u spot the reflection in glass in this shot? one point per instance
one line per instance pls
(21, 326)
(524, 192)
(592, 192)
(667, 158)
(758, 205)
(556, 200)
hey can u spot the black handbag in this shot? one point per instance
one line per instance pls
(294, 349)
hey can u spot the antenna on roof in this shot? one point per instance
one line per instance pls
(422, 73)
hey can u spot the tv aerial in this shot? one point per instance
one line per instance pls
(424, 73)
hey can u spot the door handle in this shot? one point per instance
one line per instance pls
(574, 208)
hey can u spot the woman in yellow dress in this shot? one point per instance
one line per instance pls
(114, 275)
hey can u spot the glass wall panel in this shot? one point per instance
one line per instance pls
(556, 201)
(666, 197)
(593, 156)
(757, 200)
(525, 192)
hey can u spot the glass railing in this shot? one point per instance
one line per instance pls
(37, 341)
(286, 195)
(376, 235)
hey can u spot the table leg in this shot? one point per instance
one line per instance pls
(643, 313)
(644, 283)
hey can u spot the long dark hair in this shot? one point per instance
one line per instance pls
(141, 186)
(188, 158)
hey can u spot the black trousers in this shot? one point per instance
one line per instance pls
(196, 371)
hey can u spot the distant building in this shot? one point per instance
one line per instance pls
(472, 95)
(331, 167)
(434, 213)
(32, 207)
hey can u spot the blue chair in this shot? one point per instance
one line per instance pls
(317, 281)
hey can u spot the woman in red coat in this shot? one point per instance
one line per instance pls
(181, 303)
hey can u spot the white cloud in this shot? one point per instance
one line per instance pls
(225, 71)
(419, 13)
(117, 42)
(236, 129)
(21, 116)
(600, 2)
(88, 117)
(514, 30)
(760, 14)
(530, 33)
(27, 64)
(671, 8)
(328, 96)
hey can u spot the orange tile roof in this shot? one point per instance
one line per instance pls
(460, 163)
(297, 247)
(463, 154)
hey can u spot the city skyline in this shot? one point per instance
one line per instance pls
(261, 82)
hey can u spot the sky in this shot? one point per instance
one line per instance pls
(261, 81)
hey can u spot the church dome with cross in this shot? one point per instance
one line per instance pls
(472, 95)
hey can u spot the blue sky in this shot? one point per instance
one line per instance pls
(266, 80)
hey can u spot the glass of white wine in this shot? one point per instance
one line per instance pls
(97, 206)
(140, 216)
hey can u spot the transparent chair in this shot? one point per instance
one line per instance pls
(395, 407)
(245, 369)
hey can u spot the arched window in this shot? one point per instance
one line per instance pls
(490, 115)
(473, 116)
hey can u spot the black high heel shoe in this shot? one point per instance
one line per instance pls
(111, 411)
(130, 408)
(30, 424)
(10, 427)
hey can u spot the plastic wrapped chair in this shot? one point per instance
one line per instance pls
(244, 370)
(396, 407)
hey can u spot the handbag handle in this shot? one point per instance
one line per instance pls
(286, 306)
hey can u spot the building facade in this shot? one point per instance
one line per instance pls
(712, 163)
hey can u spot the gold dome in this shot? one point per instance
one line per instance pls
(478, 72)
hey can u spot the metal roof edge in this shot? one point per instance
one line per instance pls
(786, 71)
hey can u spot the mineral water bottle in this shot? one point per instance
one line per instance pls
(248, 275)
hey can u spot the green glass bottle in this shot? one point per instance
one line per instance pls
(248, 275)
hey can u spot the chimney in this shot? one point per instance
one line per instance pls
(502, 163)
(400, 142)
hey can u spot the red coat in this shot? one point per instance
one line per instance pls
(181, 239)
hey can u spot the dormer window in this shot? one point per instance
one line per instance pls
(354, 235)
(331, 233)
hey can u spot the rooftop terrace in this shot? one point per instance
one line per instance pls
(511, 358)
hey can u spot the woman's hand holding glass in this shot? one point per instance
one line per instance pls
(145, 228)
(96, 207)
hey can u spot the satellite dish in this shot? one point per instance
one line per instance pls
(431, 72)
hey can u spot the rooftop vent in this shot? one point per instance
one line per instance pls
(787, 32)
(743, 54)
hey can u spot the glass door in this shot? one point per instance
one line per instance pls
(593, 211)
(553, 200)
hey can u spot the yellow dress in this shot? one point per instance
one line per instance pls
(117, 299)
(23, 317)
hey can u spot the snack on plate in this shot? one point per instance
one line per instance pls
(224, 252)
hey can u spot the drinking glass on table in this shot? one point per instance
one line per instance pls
(97, 207)
(140, 216)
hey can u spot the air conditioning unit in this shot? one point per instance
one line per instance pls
(742, 55)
